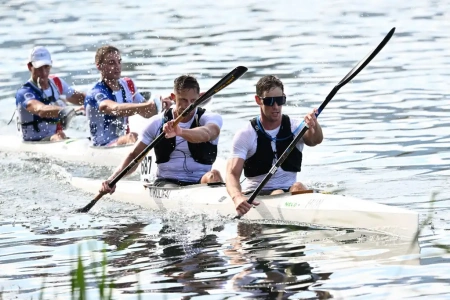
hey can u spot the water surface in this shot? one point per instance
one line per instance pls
(385, 141)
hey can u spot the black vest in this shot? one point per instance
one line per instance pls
(261, 162)
(204, 153)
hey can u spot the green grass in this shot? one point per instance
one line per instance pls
(78, 280)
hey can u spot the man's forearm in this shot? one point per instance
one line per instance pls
(196, 135)
(46, 111)
(126, 109)
(233, 186)
(77, 98)
(314, 139)
(148, 112)
(124, 164)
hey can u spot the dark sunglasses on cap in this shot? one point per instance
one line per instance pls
(270, 101)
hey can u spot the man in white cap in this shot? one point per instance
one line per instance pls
(42, 112)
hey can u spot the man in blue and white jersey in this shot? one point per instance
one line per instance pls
(40, 102)
(113, 99)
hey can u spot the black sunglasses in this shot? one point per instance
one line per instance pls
(270, 101)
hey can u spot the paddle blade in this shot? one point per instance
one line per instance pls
(363, 63)
(228, 79)
(356, 69)
(88, 207)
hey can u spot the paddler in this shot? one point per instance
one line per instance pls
(186, 155)
(113, 99)
(257, 146)
(43, 113)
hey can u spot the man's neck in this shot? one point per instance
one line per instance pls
(269, 125)
(42, 84)
(185, 119)
(112, 83)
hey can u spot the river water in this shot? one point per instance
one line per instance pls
(385, 141)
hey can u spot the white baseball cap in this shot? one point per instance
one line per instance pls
(40, 56)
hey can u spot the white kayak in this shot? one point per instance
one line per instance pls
(323, 210)
(76, 150)
(81, 150)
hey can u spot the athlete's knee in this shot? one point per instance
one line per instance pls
(129, 138)
(133, 136)
(215, 176)
(60, 135)
(212, 176)
(277, 192)
(298, 186)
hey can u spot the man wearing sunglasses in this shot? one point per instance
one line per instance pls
(257, 146)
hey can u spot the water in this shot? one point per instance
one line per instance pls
(385, 141)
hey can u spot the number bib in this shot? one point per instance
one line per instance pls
(146, 167)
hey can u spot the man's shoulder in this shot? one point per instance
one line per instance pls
(153, 126)
(245, 131)
(97, 87)
(25, 92)
(128, 83)
(126, 80)
(97, 92)
(154, 122)
(295, 121)
(211, 114)
(23, 89)
(211, 117)
(56, 78)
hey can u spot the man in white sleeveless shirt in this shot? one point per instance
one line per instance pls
(187, 153)
(257, 146)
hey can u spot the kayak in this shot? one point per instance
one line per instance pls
(317, 209)
(72, 150)
(81, 151)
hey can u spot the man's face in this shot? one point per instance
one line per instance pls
(184, 98)
(42, 72)
(111, 66)
(271, 113)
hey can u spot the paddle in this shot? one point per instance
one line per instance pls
(330, 96)
(223, 83)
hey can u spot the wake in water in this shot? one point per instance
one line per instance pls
(160, 253)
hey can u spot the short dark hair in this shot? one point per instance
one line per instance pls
(103, 51)
(266, 83)
(186, 82)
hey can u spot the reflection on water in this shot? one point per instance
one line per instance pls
(385, 141)
(204, 257)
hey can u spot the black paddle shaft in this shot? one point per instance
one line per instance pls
(223, 83)
(358, 68)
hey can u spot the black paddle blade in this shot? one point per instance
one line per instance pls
(330, 96)
(363, 63)
(87, 208)
(356, 69)
(228, 79)
(90, 204)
